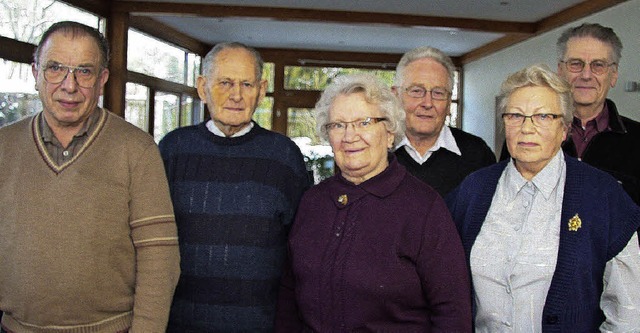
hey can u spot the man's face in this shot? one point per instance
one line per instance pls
(425, 116)
(67, 104)
(589, 89)
(232, 91)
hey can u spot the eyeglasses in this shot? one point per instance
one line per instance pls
(438, 94)
(542, 120)
(339, 127)
(84, 76)
(597, 67)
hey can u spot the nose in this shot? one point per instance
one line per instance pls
(350, 133)
(586, 72)
(235, 93)
(69, 83)
(527, 126)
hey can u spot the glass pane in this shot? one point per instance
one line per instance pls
(193, 69)
(150, 56)
(186, 111)
(136, 110)
(318, 157)
(317, 78)
(456, 85)
(18, 96)
(26, 20)
(452, 118)
(166, 115)
(267, 74)
(264, 112)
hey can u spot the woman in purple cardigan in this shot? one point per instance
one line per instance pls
(372, 248)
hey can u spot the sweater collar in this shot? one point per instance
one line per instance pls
(345, 193)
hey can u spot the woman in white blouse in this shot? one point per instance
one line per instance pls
(550, 241)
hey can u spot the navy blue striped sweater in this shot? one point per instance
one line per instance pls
(234, 201)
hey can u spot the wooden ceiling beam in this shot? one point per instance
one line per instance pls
(324, 16)
(168, 34)
(559, 19)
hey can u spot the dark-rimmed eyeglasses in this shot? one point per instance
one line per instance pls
(363, 124)
(542, 120)
(85, 76)
(597, 67)
(438, 94)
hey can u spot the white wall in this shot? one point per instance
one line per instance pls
(482, 78)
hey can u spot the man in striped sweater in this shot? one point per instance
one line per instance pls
(235, 187)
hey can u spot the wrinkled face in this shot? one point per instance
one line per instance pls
(531, 146)
(360, 153)
(66, 104)
(232, 91)
(425, 116)
(589, 89)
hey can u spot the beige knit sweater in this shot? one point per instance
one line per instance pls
(91, 245)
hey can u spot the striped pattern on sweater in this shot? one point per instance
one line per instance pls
(234, 200)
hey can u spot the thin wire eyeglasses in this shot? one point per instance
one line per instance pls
(340, 127)
(438, 94)
(542, 120)
(57, 73)
(597, 67)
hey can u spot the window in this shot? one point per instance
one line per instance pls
(166, 115)
(26, 20)
(136, 105)
(317, 78)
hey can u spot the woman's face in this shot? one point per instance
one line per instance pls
(532, 146)
(359, 151)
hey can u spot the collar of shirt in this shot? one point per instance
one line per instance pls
(599, 123)
(445, 140)
(546, 181)
(215, 130)
(88, 126)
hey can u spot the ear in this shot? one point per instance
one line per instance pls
(34, 71)
(263, 90)
(201, 86)
(390, 138)
(614, 76)
(395, 90)
(104, 77)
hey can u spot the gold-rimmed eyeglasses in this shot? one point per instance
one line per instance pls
(85, 76)
(597, 67)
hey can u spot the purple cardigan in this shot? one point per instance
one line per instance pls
(380, 256)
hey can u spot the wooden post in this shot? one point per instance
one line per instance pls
(115, 89)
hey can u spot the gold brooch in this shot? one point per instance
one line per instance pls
(575, 223)
(343, 199)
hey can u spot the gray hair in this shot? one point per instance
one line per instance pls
(375, 92)
(422, 53)
(75, 29)
(594, 30)
(538, 76)
(209, 62)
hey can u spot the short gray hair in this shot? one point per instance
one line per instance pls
(538, 75)
(375, 92)
(593, 30)
(422, 53)
(209, 62)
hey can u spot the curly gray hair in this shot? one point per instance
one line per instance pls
(375, 92)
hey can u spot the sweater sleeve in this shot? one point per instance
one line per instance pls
(154, 235)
